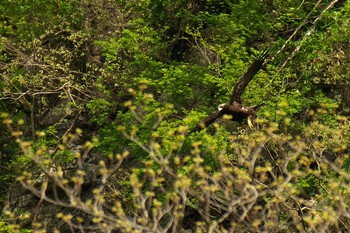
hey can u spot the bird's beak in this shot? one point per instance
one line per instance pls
(250, 124)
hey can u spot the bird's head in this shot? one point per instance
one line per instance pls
(221, 107)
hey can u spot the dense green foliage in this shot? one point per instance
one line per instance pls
(97, 99)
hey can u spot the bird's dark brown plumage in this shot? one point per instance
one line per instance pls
(244, 80)
(235, 108)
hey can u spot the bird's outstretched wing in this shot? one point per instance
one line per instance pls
(243, 81)
(207, 121)
(256, 107)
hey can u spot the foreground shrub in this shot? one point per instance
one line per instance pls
(166, 180)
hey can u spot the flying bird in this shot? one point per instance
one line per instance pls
(234, 108)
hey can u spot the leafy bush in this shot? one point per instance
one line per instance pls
(259, 180)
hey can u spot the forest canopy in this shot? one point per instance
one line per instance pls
(99, 100)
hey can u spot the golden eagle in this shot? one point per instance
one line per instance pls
(234, 108)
